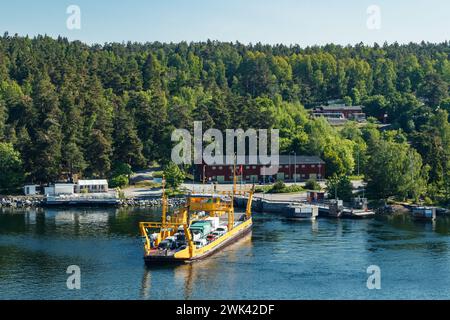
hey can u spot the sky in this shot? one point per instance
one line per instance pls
(314, 22)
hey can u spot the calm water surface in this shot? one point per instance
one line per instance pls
(326, 259)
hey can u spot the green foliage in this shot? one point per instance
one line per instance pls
(11, 171)
(158, 174)
(336, 151)
(280, 187)
(174, 176)
(2, 119)
(121, 168)
(119, 181)
(69, 108)
(312, 185)
(340, 187)
(375, 106)
(434, 89)
(395, 169)
(348, 100)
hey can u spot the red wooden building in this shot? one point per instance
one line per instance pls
(291, 168)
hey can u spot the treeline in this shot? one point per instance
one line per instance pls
(69, 108)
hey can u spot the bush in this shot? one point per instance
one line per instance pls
(312, 185)
(174, 176)
(294, 188)
(342, 185)
(278, 186)
(120, 169)
(11, 170)
(119, 181)
(428, 201)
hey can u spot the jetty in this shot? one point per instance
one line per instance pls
(326, 208)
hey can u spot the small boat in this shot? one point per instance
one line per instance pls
(301, 211)
(359, 210)
(423, 213)
(336, 208)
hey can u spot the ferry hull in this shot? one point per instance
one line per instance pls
(152, 260)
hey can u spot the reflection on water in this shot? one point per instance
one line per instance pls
(192, 277)
(281, 259)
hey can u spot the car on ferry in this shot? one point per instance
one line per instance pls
(200, 243)
(168, 244)
(218, 234)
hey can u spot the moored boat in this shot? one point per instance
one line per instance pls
(336, 208)
(423, 213)
(302, 211)
(205, 225)
(359, 210)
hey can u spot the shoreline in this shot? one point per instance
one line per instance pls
(39, 202)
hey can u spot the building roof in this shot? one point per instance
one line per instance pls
(286, 159)
(340, 108)
(95, 182)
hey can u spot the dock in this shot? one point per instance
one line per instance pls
(325, 208)
(90, 199)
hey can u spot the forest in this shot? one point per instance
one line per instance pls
(70, 108)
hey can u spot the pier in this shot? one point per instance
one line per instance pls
(282, 206)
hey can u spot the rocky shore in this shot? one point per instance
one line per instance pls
(38, 201)
(157, 202)
(20, 202)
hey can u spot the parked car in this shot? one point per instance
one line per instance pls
(222, 229)
(200, 243)
(217, 233)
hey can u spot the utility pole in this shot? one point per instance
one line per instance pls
(295, 167)
(193, 178)
(358, 162)
(290, 165)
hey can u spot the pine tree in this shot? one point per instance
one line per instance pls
(127, 145)
(47, 136)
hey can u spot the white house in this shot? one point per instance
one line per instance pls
(30, 189)
(92, 186)
(59, 189)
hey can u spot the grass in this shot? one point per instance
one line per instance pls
(280, 189)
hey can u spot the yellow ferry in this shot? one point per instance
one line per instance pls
(206, 224)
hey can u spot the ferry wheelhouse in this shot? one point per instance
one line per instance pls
(206, 224)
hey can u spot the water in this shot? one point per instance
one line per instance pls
(326, 259)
